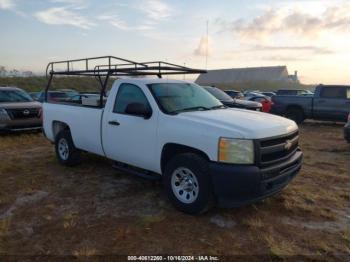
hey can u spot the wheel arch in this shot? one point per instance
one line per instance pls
(295, 106)
(58, 126)
(171, 149)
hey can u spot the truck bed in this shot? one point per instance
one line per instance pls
(84, 122)
(282, 103)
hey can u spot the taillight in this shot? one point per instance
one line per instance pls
(349, 118)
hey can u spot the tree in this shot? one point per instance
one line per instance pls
(3, 71)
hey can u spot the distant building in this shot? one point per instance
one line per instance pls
(253, 74)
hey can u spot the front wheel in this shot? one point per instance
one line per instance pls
(67, 154)
(187, 183)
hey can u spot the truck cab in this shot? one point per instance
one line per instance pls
(176, 131)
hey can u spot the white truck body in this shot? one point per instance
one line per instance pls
(139, 142)
(144, 143)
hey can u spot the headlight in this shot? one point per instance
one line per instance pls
(3, 115)
(236, 151)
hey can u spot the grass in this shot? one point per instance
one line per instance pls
(38, 83)
(93, 210)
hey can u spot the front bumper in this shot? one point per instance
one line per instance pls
(347, 132)
(21, 125)
(238, 185)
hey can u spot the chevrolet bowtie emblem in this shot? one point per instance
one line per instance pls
(288, 145)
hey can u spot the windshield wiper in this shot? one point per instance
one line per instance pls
(194, 108)
(218, 107)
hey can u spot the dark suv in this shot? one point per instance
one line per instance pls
(18, 111)
(347, 130)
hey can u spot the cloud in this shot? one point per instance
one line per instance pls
(155, 9)
(312, 49)
(7, 4)
(150, 13)
(73, 2)
(283, 58)
(289, 21)
(63, 16)
(122, 25)
(203, 48)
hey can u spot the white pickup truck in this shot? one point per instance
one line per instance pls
(204, 152)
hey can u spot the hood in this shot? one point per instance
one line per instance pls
(243, 103)
(240, 123)
(20, 105)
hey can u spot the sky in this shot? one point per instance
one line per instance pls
(310, 36)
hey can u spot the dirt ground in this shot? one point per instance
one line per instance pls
(92, 209)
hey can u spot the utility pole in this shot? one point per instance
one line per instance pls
(207, 46)
(184, 74)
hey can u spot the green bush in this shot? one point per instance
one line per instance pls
(38, 83)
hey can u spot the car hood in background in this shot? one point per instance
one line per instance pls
(242, 103)
(23, 105)
(245, 123)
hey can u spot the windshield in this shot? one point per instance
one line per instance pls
(12, 96)
(177, 97)
(58, 95)
(219, 94)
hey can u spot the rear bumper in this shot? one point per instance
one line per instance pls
(238, 185)
(347, 132)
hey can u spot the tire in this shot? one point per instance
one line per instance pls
(66, 153)
(188, 173)
(295, 114)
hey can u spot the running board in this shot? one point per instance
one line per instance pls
(145, 174)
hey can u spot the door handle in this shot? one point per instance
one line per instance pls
(114, 123)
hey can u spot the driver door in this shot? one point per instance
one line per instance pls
(129, 138)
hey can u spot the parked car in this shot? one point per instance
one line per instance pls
(70, 92)
(35, 95)
(54, 96)
(230, 102)
(269, 94)
(330, 103)
(80, 97)
(264, 100)
(178, 131)
(347, 130)
(234, 94)
(294, 92)
(249, 95)
(18, 111)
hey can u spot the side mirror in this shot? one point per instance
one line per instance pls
(138, 109)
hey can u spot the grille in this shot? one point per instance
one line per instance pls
(276, 150)
(23, 113)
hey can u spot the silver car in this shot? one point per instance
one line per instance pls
(18, 111)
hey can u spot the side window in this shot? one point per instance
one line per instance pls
(334, 92)
(348, 93)
(127, 94)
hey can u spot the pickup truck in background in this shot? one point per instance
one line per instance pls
(347, 130)
(330, 103)
(176, 131)
(294, 92)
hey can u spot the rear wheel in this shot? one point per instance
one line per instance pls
(67, 154)
(187, 183)
(295, 114)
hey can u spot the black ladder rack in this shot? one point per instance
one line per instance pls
(107, 66)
